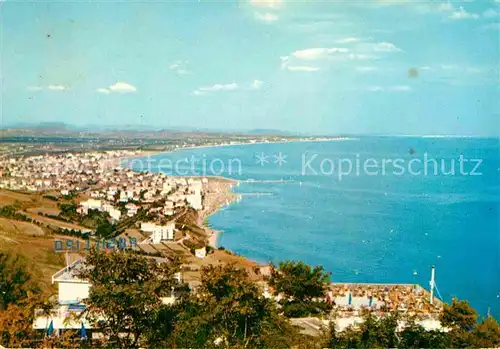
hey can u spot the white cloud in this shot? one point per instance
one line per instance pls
(266, 17)
(284, 61)
(359, 57)
(199, 93)
(51, 87)
(458, 13)
(103, 90)
(399, 88)
(219, 87)
(34, 88)
(449, 66)
(180, 67)
(317, 53)
(256, 84)
(56, 87)
(375, 89)
(274, 4)
(366, 69)
(445, 7)
(385, 47)
(461, 13)
(348, 40)
(491, 13)
(215, 88)
(395, 88)
(122, 87)
(301, 68)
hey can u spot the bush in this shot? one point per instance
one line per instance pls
(51, 197)
(303, 309)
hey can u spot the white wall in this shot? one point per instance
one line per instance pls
(72, 291)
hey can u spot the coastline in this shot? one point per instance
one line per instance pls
(145, 153)
(219, 191)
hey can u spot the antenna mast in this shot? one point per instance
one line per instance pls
(433, 272)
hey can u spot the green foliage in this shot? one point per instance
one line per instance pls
(415, 336)
(51, 197)
(68, 209)
(72, 194)
(461, 318)
(304, 288)
(10, 211)
(383, 332)
(16, 283)
(193, 244)
(299, 280)
(372, 333)
(106, 230)
(73, 232)
(459, 315)
(230, 309)
(126, 294)
(486, 334)
(129, 222)
(293, 309)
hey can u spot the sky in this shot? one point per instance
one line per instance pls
(402, 67)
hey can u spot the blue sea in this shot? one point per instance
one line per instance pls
(377, 223)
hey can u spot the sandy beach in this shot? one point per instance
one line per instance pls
(147, 153)
(218, 190)
(218, 193)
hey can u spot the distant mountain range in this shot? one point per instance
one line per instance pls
(66, 130)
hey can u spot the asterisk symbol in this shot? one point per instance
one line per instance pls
(262, 159)
(280, 159)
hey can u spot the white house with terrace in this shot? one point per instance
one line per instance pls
(72, 291)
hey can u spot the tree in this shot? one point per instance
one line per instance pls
(16, 283)
(459, 315)
(486, 334)
(382, 332)
(302, 286)
(16, 325)
(105, 230)
(416, 336)
(229, 309)
(461, 318)
(126, 292)
(19, 297)
(372, 333)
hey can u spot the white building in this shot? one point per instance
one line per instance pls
(201, 252)
(90, 204)
(159, 233)
(131, 209)
(163, 233)
(71, 291)
(115, 214)
(148, 227)
(194, 200)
